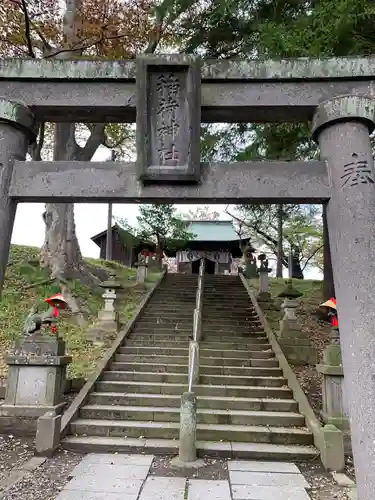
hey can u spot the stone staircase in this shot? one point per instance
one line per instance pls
(245, 408)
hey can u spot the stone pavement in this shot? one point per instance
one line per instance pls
(125, 477)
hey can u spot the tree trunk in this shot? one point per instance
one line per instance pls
(328, 284)
(61, 252)
(279, 265)
(297, 272)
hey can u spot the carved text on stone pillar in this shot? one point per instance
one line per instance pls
(167, 124)
(357, 172)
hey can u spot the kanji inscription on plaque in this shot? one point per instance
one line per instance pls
(168, 119)
(357, 172)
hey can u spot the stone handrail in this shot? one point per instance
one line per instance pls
(328, 439)
(72, 412)
(188, 414)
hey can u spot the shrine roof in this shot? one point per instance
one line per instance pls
(212, 230)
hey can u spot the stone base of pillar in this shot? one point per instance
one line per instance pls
(333, 411)
(37, 375)
(108, 316)
(295, 345)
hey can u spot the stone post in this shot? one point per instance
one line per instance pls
(188, 426)
(17, 129)
(341, 127)
(36, 380)
(141, 272)
(294, 343)
(335, 410)
(264, 294)
(47, 437)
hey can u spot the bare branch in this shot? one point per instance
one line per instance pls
(30, 50)
(311, 256)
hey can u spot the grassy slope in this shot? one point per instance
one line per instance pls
(18, 297)
(316, 330)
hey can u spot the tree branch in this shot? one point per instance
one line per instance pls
(311, 256)
(27, 30)
(261, 233)
(97, 137)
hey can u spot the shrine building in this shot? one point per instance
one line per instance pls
(215, 241)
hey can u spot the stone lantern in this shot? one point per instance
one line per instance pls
(112, 288)
(294, 342)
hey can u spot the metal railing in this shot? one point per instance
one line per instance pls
(188, 418)
(197, 330)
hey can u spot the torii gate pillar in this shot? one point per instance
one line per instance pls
(341, 127)
(17, 128)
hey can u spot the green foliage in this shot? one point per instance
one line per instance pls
(162, 224)
(302, 230)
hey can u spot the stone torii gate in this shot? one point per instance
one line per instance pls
(172, 95)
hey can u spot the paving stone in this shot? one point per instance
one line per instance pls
(117, 459)
(105, 482)
(352, 494)
(343, 479)
(86, 495)
(163, 488)
(247, 492)
(200, 489)
(268, 479)
(259, 466)
(117, 470)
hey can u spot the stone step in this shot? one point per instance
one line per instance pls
(222, 346)
(223, 323)
(220, 343)
(232, 450)
(155, 339)
(204, 415)
(204, 361)
(174, 401)
(176, 324)
(233, 391)
(182, 367)
(205, 432)
(181, 378)
(157, 342)
(235, 353)
(166, 329)
(210, 350)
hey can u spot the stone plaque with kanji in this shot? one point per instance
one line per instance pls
(168, 119)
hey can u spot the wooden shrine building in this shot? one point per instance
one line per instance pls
(125, 246)
(215, 241)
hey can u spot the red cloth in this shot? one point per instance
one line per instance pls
(335, 322)
(55, 312)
